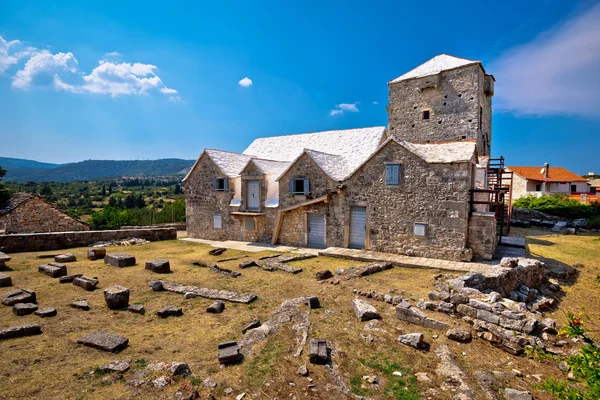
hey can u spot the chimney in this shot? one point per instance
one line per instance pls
(546, 170)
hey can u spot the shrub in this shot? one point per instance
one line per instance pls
(560, 205)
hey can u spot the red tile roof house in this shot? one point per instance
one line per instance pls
(405, 189)
(545, 179)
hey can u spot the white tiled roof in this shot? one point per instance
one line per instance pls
(352, 145)
(434, 66)
(333, 165)
(443, 153)
(230, 163)
(270, 167)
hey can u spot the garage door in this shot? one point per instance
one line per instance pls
(358, 227)
(253, 195)
(316, 230)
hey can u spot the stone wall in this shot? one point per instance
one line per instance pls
(180, 226)
(36, 215)
(65, 240)
(456, 101)
(434, 194)
(482, 235)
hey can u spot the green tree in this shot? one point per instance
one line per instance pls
(4, 193)
(103, 190)
(46, 191)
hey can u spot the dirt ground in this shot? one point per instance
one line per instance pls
(53, 365)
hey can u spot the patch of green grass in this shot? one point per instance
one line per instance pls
(99, 371)
(141, 363)
(195, 381)
(263, 364)
(539, 354)
(356, 386)
(396, 387)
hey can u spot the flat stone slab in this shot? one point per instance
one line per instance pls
(86, 282)
(298, 257)
(46, 312)
(81, 305)
(318, 351)
(279, 266)
(229, 353)
(159, 266)
(513, 241)
(170, 311)
(405, 312)
(96, 253)
(65, 258)
(218, 251)
(5, 280)
(364, 310)
(20, 331)
(53, 270)
(224, 271)
(413, 340)
(104, 341)
(116, 366)
(248, 264)
(209, 293)
(322, 275)
(22, 309)
(68, 278)
(136, 308)
(252, 325)
(116, 297)
(4, 258)
(120, 260)
(19, 296)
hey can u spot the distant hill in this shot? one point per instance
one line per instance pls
(7, 162)
(27, 170)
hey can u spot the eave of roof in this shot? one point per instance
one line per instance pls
(436, 65)
(557, 174)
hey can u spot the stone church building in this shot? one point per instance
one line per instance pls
(405, 189)
(29, 213)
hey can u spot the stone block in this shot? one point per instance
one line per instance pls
(216, 308)
(22, 309)
(438, 296)
(159, 266)
(20, 331)
(217, 252)
(136, 308)
(46, 312)
(513, 394)
(229, 353)
(318, 351)
(156, 286)
(19, 296)
(458, 298)
(53, 270)
(5, 280)
(116, 297)
(170, 311)
(4, 258)
(68, 278)
(120, 260)
(104, 341)
(248, 264)
(65, 258)
(252, 325)
(445, 307)
(322, 275)
(96, 253)
(81, 305)
(86, 282)
(312, 302)
(488, 317)
(413, 340)
(364, 310)
(459, 334)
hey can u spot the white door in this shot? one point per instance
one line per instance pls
(358, 227)
(316, 230)
(253, 195)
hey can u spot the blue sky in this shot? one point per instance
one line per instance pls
(126, 80)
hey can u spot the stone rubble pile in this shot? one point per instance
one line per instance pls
(121, 242)
(390, 297)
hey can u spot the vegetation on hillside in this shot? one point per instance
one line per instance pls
(4, 192)
(560, 205)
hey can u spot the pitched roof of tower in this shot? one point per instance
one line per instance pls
(434, 66)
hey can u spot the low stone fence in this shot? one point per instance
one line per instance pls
(525, 218)
(180, 226)
(63, 240)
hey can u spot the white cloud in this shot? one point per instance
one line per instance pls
(112, 54)
(343, 107)
(556, 73)
(375, 102)
(11, 52)
(124, 79)
(246, 82)
(44, 70)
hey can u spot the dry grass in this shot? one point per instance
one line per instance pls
(53, 365)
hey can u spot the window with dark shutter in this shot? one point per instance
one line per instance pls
(392, 174)
(220, 184)
(300, 186)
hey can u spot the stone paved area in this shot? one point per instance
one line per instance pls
(253, 246)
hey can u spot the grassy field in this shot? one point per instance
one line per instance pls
(53, 365)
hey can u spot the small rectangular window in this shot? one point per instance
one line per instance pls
(217, 221)
(392, 174)
(420, 229)
(573, 188)
(538, 188)
(249, 223)
(220, 184)
(426, 114)
(299, 186)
